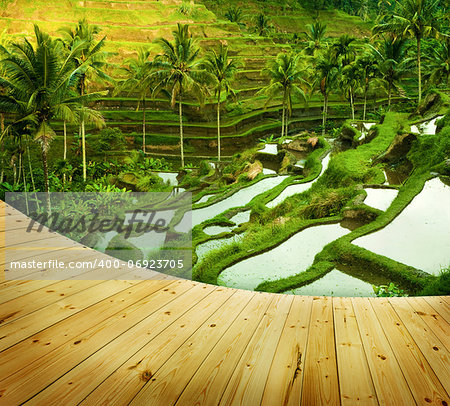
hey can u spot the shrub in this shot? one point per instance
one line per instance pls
(439, 286)
(234, 14)
(109, 139)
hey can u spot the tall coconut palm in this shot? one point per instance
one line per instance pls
(39, 84)
(391, 62)
(138, 80)
(315, 34)
(438, 63)
(179, 67)
(350, 83)
(326, 75)
(286, 77)
(92, 59)
(343, 49)
(416, 19)
(222, 70)
(366, 65)
(4, 40)
(262, 25)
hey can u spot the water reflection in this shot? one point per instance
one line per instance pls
(380, 198)
(419, 236)
(336, 283)
(291, 257)
(298, 188)
(238, 199)
(203, 249)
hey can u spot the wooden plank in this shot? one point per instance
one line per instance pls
(34, 250)
(149, 319)
(246, 385)
(16, 308)
(13, 289)
(42, 268)
(434, 351)
(355, 381)
(320, 379)
(209, 382)
(126, 381)
(388, 380)
(34, 377)
(16, 221)
(440, 305)
(91, 309)
(169, 381)
(284, 381)
(422, 381)
(432, 318)
(22, 238)
(39, 247)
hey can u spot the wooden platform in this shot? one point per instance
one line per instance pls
(166, 341)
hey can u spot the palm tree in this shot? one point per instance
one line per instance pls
(92, 59)
(343, 50)
(222, 71)
(438, 62)
(234, 14)
(315, 35)
(350, 81)
(367, 67)
(39, 84)
(179, 67)
(286, 74)
(416, 19)
(262, 25)
(326, 77)
(392, 62)
(4, 41)
(138, 80)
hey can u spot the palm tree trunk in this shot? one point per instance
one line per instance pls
(14, 171)
(65, 148)
(218, 126)
(83, 135)
(180, 110)
(352, 104)
(286, 123)
(419, 68)
(46, 185)
(143, 126)
(389, 94)
(365, 106)
(2, 162)
(20, 166)
(25, 188)
(31, 168)
(282, 120)
(45, 165)
(83, 148)
(324, 114)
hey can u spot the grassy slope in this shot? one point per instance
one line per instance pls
(130, 25)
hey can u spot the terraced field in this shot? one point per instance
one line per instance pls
(131, 25)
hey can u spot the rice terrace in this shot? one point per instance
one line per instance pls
(220, 203)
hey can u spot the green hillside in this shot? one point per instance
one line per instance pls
(132, 25)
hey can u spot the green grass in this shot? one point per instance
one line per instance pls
(438, 286)
(355, 165)
(427, 154)
(259, 237)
